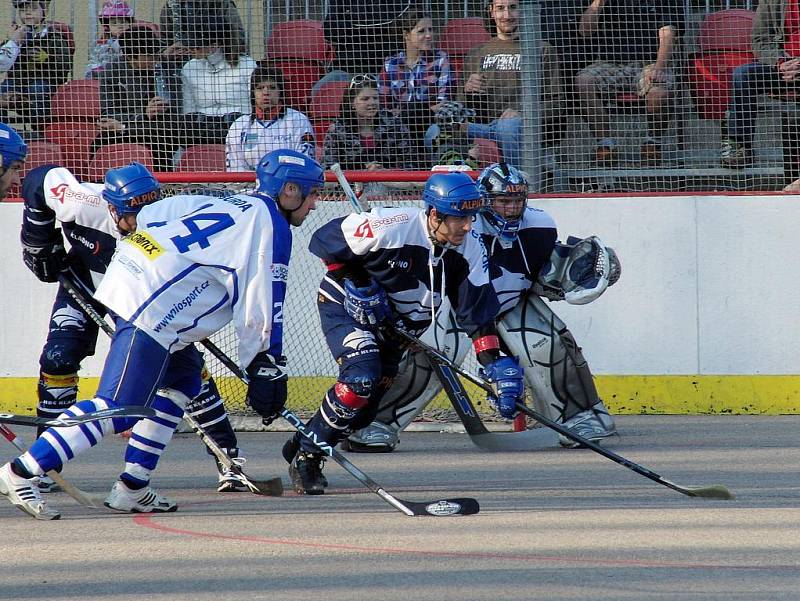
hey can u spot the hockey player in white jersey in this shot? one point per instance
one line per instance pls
(396, 266)
(93, 220)
(195, 264)
(526, 262)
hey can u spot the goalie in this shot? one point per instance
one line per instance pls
(526, 263)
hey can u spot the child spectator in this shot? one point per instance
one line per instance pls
(36, 60)
(363, 137)
(271, 125)
(416, 80)
(115, 19)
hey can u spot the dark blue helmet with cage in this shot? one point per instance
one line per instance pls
(279, 167)
(130, 188)
(501, 181)
(452, 193)
(12, 146)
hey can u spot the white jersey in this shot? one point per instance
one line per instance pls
(53, 197)
(249, 139)
(197, 263)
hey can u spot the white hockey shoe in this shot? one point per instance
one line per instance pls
(145, 500)
(230, 481)
(375, 438)
(47, 484)
(25, 494)
(588, 425)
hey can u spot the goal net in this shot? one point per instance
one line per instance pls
(311, 368)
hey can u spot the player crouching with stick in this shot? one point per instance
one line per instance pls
(395, 266)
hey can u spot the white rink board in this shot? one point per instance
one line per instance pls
(709, 286)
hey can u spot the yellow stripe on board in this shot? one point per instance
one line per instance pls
(771, 395)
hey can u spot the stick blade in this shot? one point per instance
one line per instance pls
(268, 488)
(710, 492)
(445, 507)
(527, 440)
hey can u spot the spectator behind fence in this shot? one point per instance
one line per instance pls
(116, 17)
(363, 34)
(492, 84)
(363, 136)
(635, 41)
(271, 125)
(415, 81)
(36, 60)
(776, 46)
(131, 108)
(215, 85)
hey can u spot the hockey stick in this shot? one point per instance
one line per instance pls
(442, 507)
(76, 420)
(270, 488)
(529, 440)
(82, 497)
(707, 492)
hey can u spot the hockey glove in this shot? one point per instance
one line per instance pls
(368, 305)
(452, 113)
(505, 374)
(47, 260)
(266, 392)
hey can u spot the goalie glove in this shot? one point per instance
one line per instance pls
(46, 260)
(368, 305)
(578, 271)
(506, 378)
(266, 389)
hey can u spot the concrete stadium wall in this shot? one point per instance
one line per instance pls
(704, 318)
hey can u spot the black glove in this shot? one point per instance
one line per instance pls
(47, 260)
(266, 392)
(452, 113)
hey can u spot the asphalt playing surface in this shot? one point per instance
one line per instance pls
(555, 525)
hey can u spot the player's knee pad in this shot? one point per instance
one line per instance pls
(555, 369)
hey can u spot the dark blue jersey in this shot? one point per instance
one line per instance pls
(393, 248)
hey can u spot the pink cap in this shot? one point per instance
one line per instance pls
(118, 8)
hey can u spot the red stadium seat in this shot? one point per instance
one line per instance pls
(203, 157)
(724, 42)
(488, 152)
(300, 50)
(324, 108)
(299, 39)
(78, 100)
(40, 153)
(118, 155)
(460, 36)
(74, 138)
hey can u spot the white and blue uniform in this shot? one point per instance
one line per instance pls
(515, 266)
(195, 264)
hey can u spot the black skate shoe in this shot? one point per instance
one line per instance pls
(306, 473)
(290, 448)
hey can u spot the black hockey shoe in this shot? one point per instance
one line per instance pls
(306, 473)
(290, 448)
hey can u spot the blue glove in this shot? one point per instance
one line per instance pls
(368, 305)
(266, 390)
(505, 374)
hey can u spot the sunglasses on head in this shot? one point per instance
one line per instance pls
(361, 80)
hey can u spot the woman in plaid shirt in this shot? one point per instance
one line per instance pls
(363, 136)
(414, 81)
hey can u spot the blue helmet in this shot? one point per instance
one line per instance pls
(130, 188)
(279, 167)
(452, 193)
(501, 180)
(12, 146)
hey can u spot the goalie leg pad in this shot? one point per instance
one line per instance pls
(555, 369)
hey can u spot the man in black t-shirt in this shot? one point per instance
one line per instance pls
(635, 43)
